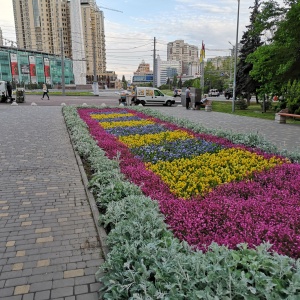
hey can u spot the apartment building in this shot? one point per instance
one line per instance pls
(181, 51)
(166, 69)
(41, 25)
(1, 38)
(93, 40)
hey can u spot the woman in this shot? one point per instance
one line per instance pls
(45, 91)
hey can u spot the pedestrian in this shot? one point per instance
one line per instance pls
(9, 90)
(187, 97)
(45, 91)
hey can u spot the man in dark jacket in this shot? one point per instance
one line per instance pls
(9, 90)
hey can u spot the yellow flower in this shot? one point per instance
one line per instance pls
(109, 116)
(125, 123)
(198, 175)
(138, 140)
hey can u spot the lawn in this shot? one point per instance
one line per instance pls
(254, 110)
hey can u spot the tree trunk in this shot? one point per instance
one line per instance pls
(248, 99)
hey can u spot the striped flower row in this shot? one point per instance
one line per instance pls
(228, 187)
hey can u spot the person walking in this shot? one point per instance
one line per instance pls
(187, 97)
(9, 90)
(45, 91)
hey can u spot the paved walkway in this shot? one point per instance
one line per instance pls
(49, 245)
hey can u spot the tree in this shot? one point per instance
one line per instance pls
(124, 82)
(213, 78)
(180, 83)
(278, 61)
(175, 81)
(250, 41)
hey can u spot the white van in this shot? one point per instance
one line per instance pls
(149, 95)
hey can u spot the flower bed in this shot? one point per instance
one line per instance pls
(182, 181)
(251, 204)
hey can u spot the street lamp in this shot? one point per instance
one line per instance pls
(235, 55)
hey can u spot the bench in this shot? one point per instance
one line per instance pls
(207, 105)
(283, 114)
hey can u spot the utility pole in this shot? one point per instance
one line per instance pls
(235, 56)
(154, 68)
(95, 81)
(62, 62)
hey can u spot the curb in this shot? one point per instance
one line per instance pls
(92, 202)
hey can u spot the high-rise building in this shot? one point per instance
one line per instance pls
(143, 69)
(1, 38)
(181, 51)
(40, 23)
(93, 39)
(78, 25)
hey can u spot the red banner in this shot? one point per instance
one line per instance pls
(32, 69)
(14, 66)
(47, 70)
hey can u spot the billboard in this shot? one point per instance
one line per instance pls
(14, 66)
(142, 78)
(24, 68)
(32, 69)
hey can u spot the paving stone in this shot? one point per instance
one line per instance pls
(21, 289)
(73, 273)
(90, 296)
(63, 283)
(81, 289)
(28, 297)
(7, 292)
(61, 292)
(41, 286)
(44, 295)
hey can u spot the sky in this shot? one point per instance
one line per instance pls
(130, 33)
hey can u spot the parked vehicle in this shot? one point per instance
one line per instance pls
(148, 95)
(213, 93)
(3, 91)
(177, 92)
(228, 93)
(6, 92)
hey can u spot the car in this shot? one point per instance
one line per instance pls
(213, 92)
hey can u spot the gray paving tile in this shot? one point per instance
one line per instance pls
(42, 185)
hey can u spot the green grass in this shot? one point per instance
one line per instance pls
(254, 110)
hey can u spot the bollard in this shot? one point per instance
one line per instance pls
(208, 108)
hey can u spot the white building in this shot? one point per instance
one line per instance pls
(166, 69)
(181, 51)
(1, 38)
(79, 55)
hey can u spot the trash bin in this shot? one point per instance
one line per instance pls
(20, 95)
(196, 96)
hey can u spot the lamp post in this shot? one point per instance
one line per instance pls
(235, 55)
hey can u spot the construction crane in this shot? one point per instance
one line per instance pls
(110, 9)
(12, 43)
